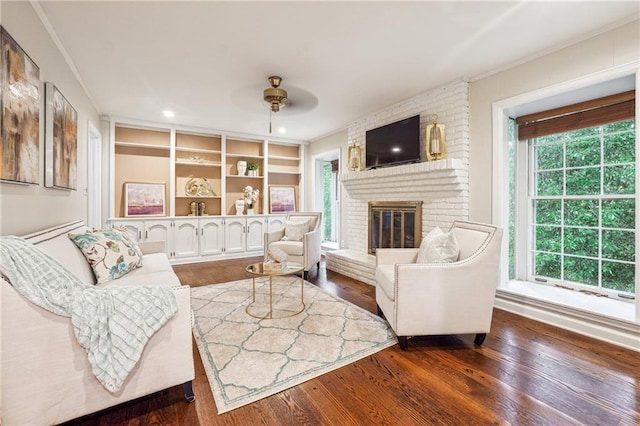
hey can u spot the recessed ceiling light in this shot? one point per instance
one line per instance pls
(282, 130)
(168, 114)
(395, 149)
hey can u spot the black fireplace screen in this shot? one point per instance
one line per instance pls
(394, 225)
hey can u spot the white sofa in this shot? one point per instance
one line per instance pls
(46, 377)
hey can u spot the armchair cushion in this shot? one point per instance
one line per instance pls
(294, 231)
(293, 248)
(111, 253)
(385, 279)
(438, 247)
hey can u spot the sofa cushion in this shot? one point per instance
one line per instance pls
(110, 252)
(294, 230)
(438, 247)
(141, 277)
(385, 278)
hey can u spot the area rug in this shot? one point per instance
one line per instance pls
(247, 359)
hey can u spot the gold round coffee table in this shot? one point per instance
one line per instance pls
(289, 268)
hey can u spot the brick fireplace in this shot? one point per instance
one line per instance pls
(442, 186)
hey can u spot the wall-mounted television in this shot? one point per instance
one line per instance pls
(393, 144)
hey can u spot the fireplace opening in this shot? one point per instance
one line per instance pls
(396, 224)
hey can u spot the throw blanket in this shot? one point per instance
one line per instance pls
(112, 324)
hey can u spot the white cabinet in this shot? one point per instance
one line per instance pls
(276, 222)
(135, 228)
(255, 229)
(244, 234)
(192, 238)
(149, 230)
(234, 235)
(185, 238)
(211, 236)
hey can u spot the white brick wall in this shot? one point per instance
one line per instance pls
(442, 186)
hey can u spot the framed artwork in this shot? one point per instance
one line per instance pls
(282, 199)
(20, 114)
(144, 199)
(61, 141)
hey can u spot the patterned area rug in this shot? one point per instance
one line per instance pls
(247, 359)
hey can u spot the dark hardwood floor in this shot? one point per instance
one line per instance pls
(526, 373)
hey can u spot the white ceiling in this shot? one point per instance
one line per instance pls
(209, 61)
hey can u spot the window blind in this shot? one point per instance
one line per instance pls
(608, 109)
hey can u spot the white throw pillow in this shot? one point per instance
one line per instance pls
(112, 253)
(438, 247)
(294, 231)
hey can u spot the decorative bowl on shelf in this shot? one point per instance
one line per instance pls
(198, 187)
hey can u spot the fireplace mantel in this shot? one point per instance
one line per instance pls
(427, 180)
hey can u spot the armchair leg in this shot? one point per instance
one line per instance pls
(305, 274)
(479, 338)
(402, 341)
(188, 391)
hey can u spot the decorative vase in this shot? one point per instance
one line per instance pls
(252, 173)
(242, 168)
(239, 207)
(250, 211)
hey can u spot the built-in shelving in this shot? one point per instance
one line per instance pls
(188, 162)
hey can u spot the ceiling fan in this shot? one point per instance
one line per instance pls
(275, 96)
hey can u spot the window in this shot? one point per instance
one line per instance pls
(574, 203)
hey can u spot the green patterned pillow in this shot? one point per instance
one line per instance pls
(112, 253)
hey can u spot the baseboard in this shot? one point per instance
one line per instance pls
(611, 330)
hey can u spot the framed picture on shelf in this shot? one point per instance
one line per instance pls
(282, 199)
(144, 199)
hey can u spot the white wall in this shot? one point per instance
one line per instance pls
(597, 54)
(23, 208)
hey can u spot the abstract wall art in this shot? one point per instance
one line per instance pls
(20, 114)
(61, 141)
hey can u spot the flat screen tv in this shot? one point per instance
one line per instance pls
(393, 144)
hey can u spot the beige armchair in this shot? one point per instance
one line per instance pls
(306, 251)
(441, 298)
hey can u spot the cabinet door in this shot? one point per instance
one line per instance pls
(159, 230)
(234, 235)
(276, 223)
(256, 227)
(211, 236)
(185, 238)
(135, 228)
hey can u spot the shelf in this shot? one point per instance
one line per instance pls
(283, 157)
(198, 163)
(199, 196)
(141, 145)
(244, 156)
(199, 150)
(176, 157)
(283, 173)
